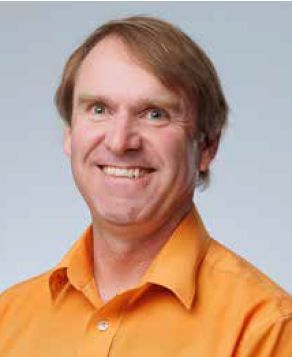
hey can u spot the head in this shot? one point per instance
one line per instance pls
(176, 60)
(163, 58)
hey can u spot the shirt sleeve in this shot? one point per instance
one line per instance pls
(270, 339)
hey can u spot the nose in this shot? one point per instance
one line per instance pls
(122, 135)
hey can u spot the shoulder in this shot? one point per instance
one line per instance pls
(243, 283)
(24, 296)
(254, 309)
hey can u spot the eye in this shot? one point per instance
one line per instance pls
(156, 114)
(98, 109)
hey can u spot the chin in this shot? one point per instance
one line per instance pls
(124, 215)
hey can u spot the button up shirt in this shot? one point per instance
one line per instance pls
(197, 298)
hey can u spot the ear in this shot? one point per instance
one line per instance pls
(67, 141)
(208, 153)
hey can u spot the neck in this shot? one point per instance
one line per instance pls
(122, 255)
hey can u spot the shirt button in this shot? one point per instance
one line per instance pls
(102, 325)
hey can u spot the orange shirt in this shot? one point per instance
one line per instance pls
(196, 299)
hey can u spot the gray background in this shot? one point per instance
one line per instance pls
(247, 207)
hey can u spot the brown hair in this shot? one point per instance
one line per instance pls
(171, 56)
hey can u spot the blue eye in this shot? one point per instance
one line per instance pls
(156, 114)
(98, 109)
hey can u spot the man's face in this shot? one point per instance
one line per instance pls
(131, 156)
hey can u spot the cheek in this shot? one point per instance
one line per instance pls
(84, 139)
(182, 156)
(176, 149)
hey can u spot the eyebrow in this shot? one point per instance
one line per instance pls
(90, 98)
(166, 102)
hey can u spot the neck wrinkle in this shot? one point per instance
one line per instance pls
(120, 263)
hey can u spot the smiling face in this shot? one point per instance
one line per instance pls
(131, 156)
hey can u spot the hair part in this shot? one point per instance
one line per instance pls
(175, 59)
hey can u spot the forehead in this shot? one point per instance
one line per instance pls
(108, 50)
(111, 66)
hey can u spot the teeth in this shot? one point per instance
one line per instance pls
(123, 172)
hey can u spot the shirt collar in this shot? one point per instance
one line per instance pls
(175, 267)
(76, 266)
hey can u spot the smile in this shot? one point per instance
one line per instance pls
(132, 173)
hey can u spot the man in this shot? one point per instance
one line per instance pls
(144, 112)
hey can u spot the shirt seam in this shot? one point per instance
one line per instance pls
(278, 296)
